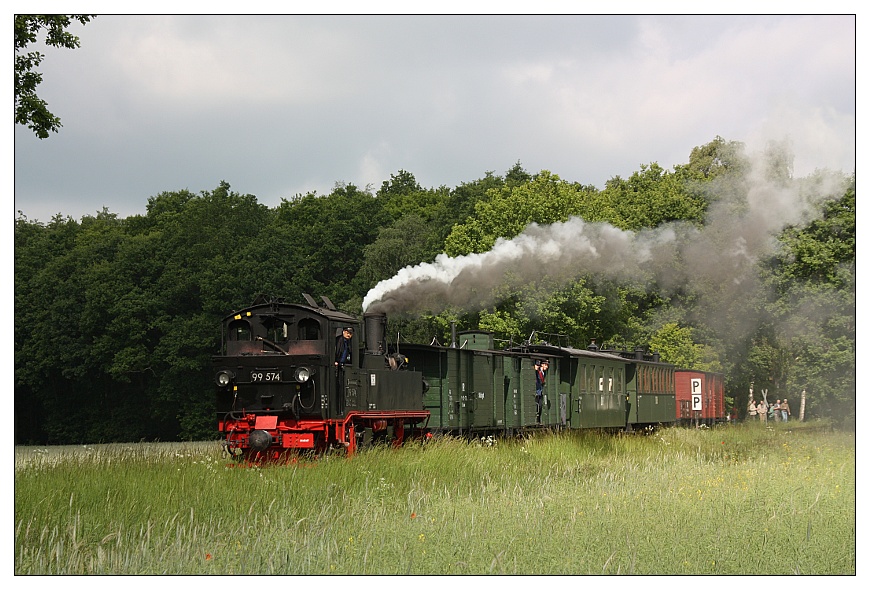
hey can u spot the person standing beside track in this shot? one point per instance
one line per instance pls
(762, 412)
(776, 410)
(784, 410)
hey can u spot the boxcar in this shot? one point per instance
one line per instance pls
(700, 397)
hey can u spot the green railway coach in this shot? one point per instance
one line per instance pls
(585, 388)
(651, 393)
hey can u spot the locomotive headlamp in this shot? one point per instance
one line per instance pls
(224, 378)
(302, 374)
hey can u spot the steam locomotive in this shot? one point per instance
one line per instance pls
(282, 389)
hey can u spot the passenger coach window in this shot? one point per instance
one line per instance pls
(309, 329)
(239, 330)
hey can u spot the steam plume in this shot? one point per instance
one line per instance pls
(718, 259)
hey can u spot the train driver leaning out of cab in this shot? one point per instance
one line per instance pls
(343, 347)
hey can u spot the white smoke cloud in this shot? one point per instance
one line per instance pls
(718, 259)
(469, 281)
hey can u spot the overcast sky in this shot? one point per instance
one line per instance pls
(283, 105)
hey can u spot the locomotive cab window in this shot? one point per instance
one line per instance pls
(309, 329)
(306, 336)
(239, 330)
(277, 331)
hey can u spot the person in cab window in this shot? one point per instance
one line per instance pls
(343, 348)
(343, 357)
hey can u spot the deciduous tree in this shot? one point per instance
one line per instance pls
(31, 110)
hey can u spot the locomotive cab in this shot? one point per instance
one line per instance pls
(274, 359)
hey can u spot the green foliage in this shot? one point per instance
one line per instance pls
(311, 244)
(402, 244)
(507, 211)
(31, 110)
(572, 314)
(459, 205)
(510, 325)
(649, 198)
(419, 236)
(718, 172)
(402, 195)
(814, 310)
(821, 255)
(676, 346)
(714, 159)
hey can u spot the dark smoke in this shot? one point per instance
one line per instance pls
(717, 261)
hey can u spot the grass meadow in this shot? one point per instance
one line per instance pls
(739, 499)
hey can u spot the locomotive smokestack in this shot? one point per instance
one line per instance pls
(376, 328)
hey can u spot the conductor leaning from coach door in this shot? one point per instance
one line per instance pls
(540, 377)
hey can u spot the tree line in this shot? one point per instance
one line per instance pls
(116, 319)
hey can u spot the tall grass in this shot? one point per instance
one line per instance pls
(741, 499)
